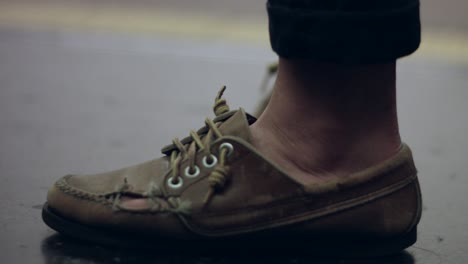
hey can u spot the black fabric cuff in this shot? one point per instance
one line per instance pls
(344, 36)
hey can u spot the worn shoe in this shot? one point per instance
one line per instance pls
(214, 191)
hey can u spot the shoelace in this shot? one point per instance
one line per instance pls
(201, 144)
(271, 70)
(265, 88)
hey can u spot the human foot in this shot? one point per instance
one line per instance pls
(213, 191)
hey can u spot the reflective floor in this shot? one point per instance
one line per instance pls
(74, 101)
(56, 249)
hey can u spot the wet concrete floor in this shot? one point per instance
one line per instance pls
(82, 102)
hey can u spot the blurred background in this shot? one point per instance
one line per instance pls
(83, 85)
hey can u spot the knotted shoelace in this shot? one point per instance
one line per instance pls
(200, 143)
(271, 70)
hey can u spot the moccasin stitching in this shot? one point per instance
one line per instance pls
(178, 206)
(63, 186)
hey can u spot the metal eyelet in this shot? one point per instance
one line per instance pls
(227, 146)
(194, 174)
(170, 183)
(213, 162)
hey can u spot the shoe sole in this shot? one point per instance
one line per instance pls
(331, 248)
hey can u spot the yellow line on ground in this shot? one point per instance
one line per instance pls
(449, 46)
(153, 21)
(445, 45)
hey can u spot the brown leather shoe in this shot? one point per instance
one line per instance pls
(214, 191)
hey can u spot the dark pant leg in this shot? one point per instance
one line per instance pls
(344, 31)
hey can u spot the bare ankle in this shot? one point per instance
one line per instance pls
(328, 121)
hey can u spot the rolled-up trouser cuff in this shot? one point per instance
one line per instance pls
(341, 36)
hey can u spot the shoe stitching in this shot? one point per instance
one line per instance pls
(63, 186)
(178, 205)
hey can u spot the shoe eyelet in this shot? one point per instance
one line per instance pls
(194, 174)
(170, 183)
(227, 146)
(212, 164)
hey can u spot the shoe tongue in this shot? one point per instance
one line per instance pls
(237, 125)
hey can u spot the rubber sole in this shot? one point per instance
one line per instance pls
(318, 247)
